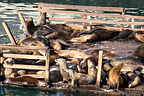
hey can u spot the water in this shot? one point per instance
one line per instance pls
(9, 10)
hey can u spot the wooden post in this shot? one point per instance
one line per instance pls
(122, 17)
(47, 67)
(85, 16)
(1, 66)
(9, 33)
(24, 24)
(99, 69)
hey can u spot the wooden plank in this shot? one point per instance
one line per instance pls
(47, 69)
(22, 48)
(24, 23)
(9, 33)
(80, 13)
(23, 56)
(80, 7)
(60, 11)
(20, 66)
(99, 69)
(95, 21)
(135, 17)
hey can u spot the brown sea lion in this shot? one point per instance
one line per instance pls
(82, 39)
(115, 80)
(28, 41)
(107, 67)
(73, 53)
(139, 52)
(55, 45)
(25, 80)
(92, 69)
(74, 77)
(139, 35)
(106, 54)
(66, 73)
(8, 71)
(21, 72)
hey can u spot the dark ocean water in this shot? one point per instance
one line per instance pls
(9, 10)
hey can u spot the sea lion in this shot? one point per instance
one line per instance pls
(66, 73)
(8, 71)
(73, 53)
(30, 26)
(134, 79)
(55, 45)
(25, 81)
(106, 54)
(139, 35)
(123, 34)
(115, 80)
(21, 72)
(92, 69)
(82, 39)
(139, 52)
(107, 67)
(99, 34)
(130, 63)
(71, 75)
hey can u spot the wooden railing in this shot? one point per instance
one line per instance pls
(85, 11)
(24, 56)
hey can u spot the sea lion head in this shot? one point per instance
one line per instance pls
(9, 61)
(21, 72)
(60, 61)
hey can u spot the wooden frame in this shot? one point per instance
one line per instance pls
(24, 56)
(114, 12)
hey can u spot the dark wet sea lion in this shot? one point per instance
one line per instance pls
(25, 80)
(134, 79)
(115, 80)
(30, 26)
(123, 34)
(99, 34)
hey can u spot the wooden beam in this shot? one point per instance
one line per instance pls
(80, 7)
(9, 33)
(99, 69)
(96, 21)
(24, 23)
(22, 48)
(47, 70)
(20, 66)
(23, 56)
